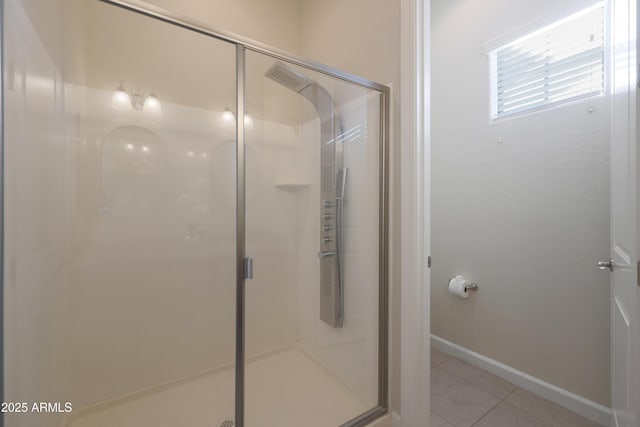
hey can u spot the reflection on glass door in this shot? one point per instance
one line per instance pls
(127, 218)
(122, 233)
(312, 213)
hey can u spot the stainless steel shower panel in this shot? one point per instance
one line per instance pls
(330, 209)
(333, 178)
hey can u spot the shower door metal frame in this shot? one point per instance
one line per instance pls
(242, 45)
(2, 216)
(241, 216)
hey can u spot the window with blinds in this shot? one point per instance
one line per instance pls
(558, 63)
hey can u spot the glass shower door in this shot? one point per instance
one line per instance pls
(120, 218)
(313, 181)
(133, 193)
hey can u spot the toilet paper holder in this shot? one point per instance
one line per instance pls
(471, 287)
(460, 287)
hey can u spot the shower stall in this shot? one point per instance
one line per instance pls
(195, 226)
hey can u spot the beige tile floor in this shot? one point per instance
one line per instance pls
(464, 396)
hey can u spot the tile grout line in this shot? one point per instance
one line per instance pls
(517, 408)
(525, 411)
(504, 399)
(444, 418)
(477, 386)
(487, 413)
(533, 415)
(484, 415)
(442, 363)
(498, 400)
(501, 401)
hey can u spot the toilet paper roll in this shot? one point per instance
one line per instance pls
(458, 287)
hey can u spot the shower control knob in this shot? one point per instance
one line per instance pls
(322, 255)
(605, 265)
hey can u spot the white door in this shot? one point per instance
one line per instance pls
(625, 340)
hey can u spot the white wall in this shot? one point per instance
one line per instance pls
(36, 339)
(274, 22)
(526, 218)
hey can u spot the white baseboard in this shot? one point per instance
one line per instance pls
(578, 404)
(395, 419)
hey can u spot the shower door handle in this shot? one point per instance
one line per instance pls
(248, 268)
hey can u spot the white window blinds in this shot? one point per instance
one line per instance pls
(561, 62)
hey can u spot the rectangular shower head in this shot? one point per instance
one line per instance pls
(288, 77)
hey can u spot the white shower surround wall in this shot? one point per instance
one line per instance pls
(147, 313)
(36, 195)
(282, 232)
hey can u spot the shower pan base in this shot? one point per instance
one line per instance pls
(283, 389)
